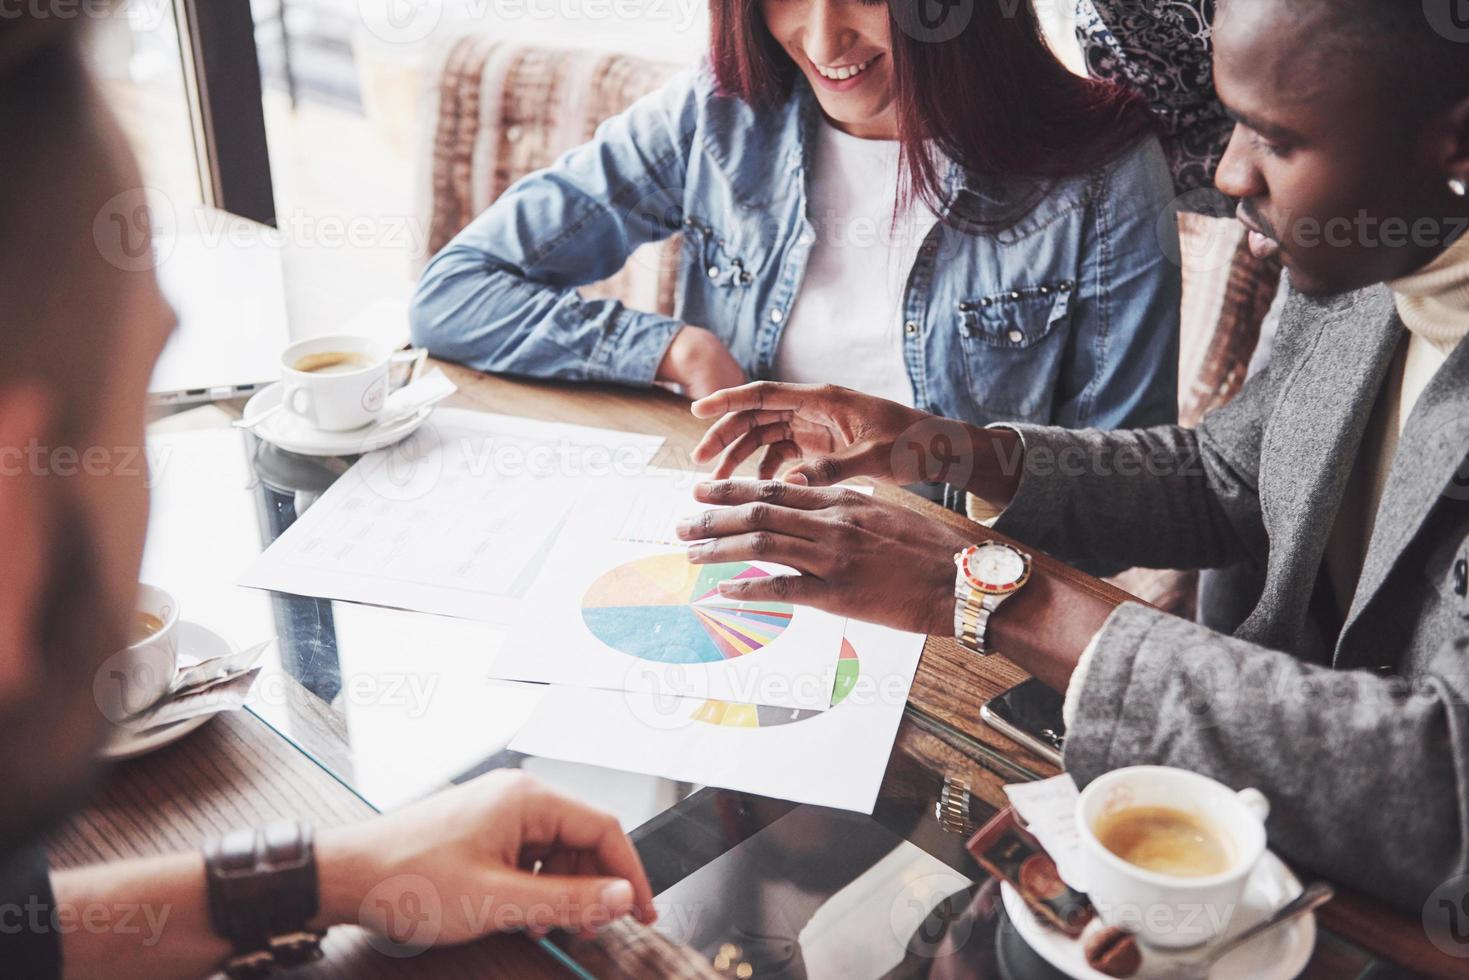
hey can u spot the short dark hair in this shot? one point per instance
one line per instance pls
(1420, 53)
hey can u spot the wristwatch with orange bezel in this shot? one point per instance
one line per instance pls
(987, 574)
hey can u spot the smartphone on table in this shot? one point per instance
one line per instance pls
(1029, 713)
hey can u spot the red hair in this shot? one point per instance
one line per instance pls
(985, 89)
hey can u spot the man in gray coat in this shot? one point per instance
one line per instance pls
(1338, 471)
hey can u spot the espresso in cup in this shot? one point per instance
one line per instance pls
(145, 624)
(332, 362)
(1166, 841)
(1166, 853)
(335, 383)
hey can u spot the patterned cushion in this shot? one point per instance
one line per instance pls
(502, 110)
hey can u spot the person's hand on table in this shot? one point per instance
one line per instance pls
(472, 852)
(699, 363)
(858, 556)
(832, 433)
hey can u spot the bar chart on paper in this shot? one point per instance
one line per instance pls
(663, 609)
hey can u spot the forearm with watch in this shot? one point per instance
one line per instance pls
(190, 914)
(1002, 602)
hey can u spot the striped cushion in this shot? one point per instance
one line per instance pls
(502, 110)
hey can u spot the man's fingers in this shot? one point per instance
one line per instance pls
(757, 395)
(748, 444)
(733, 492)
(540, 902)
(730, 428)
(804, 590)
(563, 822)
(777, 456)
(801, 554)
(825, 471)
(723, 522)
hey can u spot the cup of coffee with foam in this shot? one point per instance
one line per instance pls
(1167, 853)
(335, 383)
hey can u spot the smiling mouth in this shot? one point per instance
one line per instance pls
(841, 73)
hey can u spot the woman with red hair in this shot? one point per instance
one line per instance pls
(911, 198)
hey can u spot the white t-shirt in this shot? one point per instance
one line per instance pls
(846, 326)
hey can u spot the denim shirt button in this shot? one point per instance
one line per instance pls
(1015, 295)
(1015, 336)
(910, 328)
(714, 272)
(776, 314)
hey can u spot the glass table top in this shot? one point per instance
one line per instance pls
(396, 704)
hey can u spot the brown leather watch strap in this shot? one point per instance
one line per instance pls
(262, 893)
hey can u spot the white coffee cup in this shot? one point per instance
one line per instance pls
(139, 674)
(340, 396)
(1170, 911)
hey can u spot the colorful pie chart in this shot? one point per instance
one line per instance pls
(734, 714)
(666, 610)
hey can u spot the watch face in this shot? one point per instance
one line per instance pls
(995, 568)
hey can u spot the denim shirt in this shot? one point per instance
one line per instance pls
(1067, 316)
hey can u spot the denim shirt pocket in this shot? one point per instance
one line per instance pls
(1014, 341)
(719, 272)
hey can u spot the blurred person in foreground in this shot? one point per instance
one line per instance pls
(80, 336)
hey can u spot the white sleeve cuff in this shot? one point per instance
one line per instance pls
(1078, 680)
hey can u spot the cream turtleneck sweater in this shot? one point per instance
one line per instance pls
(1433, 304)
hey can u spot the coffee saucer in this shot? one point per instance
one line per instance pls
(196, 643)
(1279, 954)
(293, 434)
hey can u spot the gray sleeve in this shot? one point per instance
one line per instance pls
(1349, 761)
(1165, 497)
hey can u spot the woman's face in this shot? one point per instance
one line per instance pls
(844, 48)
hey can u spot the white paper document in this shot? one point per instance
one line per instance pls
(633, 614)
(453, 520)
(830, 758)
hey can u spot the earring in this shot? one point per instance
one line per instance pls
(1459, 187)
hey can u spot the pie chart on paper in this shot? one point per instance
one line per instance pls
(663, 609)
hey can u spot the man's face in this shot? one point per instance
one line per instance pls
(844, 48)
(81, 526)
(1326, 162)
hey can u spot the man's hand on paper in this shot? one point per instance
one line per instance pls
(698, 362)
(858, 556)
(831, 433)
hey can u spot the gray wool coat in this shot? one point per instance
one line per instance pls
(1360, 738)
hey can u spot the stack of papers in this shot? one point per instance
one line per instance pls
(565, 535)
